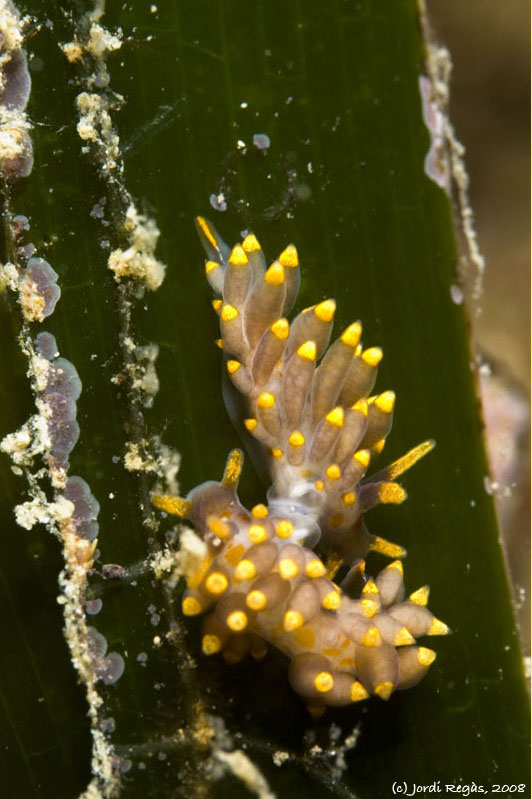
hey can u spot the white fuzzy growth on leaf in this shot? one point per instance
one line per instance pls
(138, 261)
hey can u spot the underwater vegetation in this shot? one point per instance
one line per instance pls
(119, 123)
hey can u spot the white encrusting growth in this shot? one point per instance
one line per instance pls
(145, 379)
(53, 431)
(239, 764)
(95, 125)
(445, 160)
(48, 438)
(38, 290)
(16, 149)
(173, 564)
(41, 447)
(138, 261)
(35, 285)
(437, 166)
(141, 370)
(99, 43)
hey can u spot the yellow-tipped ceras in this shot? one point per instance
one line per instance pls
(259, 581)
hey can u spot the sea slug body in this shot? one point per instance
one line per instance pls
(309, 405)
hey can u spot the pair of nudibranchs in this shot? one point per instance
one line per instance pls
(309, 405)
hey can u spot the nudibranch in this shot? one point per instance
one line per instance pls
(260, 580)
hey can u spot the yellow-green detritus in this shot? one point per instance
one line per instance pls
(309, 404)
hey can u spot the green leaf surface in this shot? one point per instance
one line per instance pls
(335, 88)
